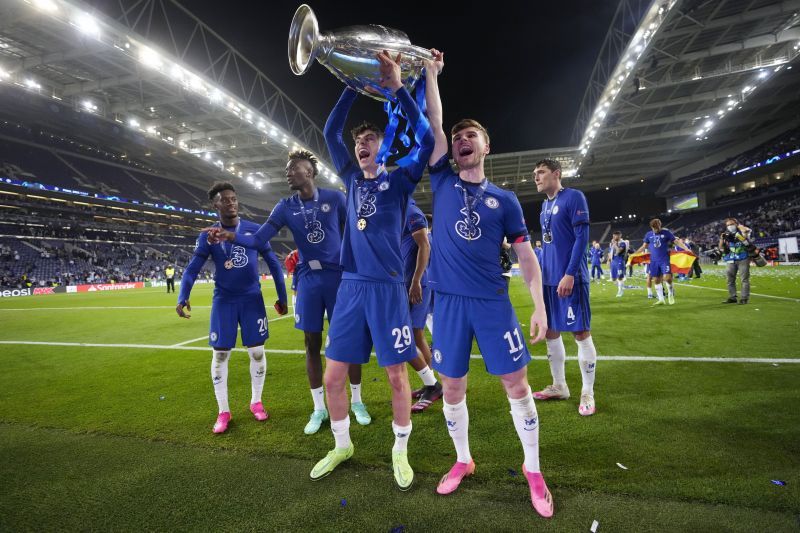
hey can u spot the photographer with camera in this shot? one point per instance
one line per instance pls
(736, 246)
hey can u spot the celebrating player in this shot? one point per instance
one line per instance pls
(237, 301)
(315, 217)
(372, 304)
(618, 248)
(416, 251)
(658, 242)
(472, 218)
(565, 232)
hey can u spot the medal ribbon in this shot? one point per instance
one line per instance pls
(309, 222)
(471, 202)
(548, 215)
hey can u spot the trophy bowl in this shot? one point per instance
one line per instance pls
(349, 53)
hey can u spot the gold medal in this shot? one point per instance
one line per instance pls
(362, 224)
(228, 264)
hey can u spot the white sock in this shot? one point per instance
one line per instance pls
(427, 377)
(620, 287)
(258, 369)
(219, 377)
(429, 322)
(587, 360)
(401, 434)
(660, 291)
(556, 355)
(526, 422)
(669, 288)
(457, 418)
(649, 291)
(355, 393)
(341, 432)
(318, 395)
(294, 301)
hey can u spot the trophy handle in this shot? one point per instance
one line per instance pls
(303, 39)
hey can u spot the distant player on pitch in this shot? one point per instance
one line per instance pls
(658, 241)
(237, 301)
(618, 250)
(565, 233)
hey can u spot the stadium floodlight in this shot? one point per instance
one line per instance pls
(32, 84)
(89, 106)
(762, 74)
(3, 74)
(700, 132)
(46, 5)
(87, 24)
(133, 123)
(151, 130)
(150, 58)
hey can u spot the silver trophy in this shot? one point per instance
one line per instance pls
(349, 53)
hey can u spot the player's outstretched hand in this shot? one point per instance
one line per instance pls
(538, 326)
(390, 70)
(437, 63)
(217, 235)
(281, 307)
(415, 293)
(565, 286)
(180, 309)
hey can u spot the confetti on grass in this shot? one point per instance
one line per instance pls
(162, 398)
(622, 466)
(595, 523)
(343, 502)
(398, 529)
(778, 482)
(512, 472)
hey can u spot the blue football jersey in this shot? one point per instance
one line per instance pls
(316, 227)
(415, 221)
(596, 255)
(561, 217)
(465, 257)
(658, 244)
(376, 208)
(242, 278)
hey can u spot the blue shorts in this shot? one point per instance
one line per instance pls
(568, 314)
(226, 317)
(371, 313)
(316, 295)
(659, 269)
(419, 312)
(492, 323)
(617, 268)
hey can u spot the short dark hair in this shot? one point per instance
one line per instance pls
(617, 233)
(366, 126)
(552, 164)
(218, 187)
(465, 123)
(305, 155)
(656, 221)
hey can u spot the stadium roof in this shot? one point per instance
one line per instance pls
(188, 104)
(689, 79)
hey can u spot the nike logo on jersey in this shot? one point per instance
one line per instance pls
(404, 349)
(515, 359)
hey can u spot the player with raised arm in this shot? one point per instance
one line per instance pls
(565, 232)
(416, 251)
(315, 216)
(237, 301)
(618, 250)
(473, 217)
(658, 241)
(372, 303)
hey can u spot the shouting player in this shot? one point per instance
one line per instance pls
(237, 301)
(473, 217)
(372, 303)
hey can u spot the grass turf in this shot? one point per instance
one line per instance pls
(119, 437)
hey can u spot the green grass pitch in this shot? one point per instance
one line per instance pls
(106, 424)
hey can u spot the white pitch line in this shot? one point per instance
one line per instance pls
(648, 358)
(751, 294)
